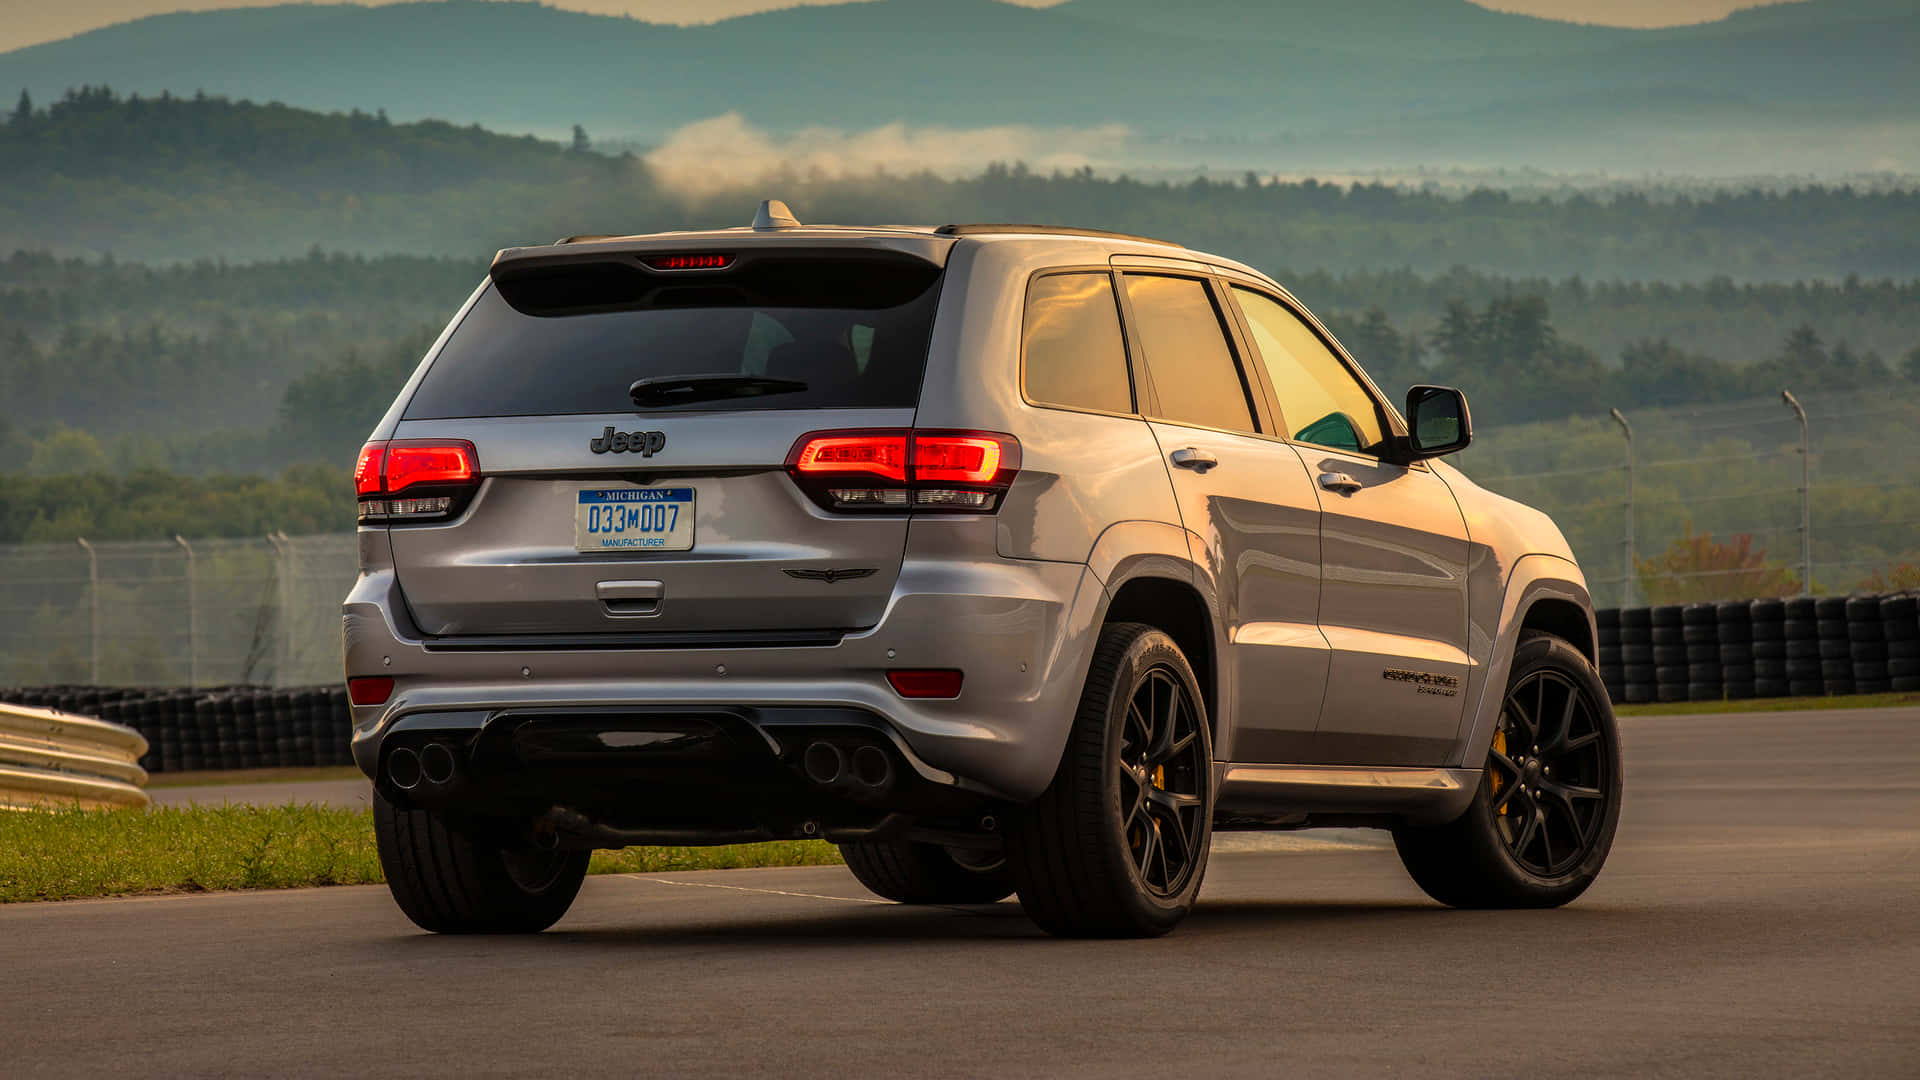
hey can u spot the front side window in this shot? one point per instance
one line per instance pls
(1074, 353)
(1194, 374)
(1321, 402)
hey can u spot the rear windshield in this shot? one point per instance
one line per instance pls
(853, 327)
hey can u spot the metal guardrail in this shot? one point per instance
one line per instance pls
(52, 759)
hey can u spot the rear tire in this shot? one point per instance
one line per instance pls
(914, 873)
(453, 882)
(1502, 852)
(1117, 844)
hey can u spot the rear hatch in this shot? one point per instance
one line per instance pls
(631, 416)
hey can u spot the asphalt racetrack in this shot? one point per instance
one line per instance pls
(1760, 917)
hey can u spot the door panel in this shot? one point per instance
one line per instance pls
(1255, 525)
(1393, 607)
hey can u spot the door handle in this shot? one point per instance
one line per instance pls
(1340, 482)
(1195, 459)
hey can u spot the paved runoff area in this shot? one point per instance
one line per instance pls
(1760, 917)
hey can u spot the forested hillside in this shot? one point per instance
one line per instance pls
(1825, 87)
(161, 180)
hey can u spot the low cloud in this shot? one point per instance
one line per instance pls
(727, 152)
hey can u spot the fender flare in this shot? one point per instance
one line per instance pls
(1532, 579)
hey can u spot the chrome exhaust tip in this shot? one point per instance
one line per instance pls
(872, 767)
(823, 762)
(403, 769)
(437, 764)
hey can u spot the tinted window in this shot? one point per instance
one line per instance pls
(1192, 368)
(572, 339)
(1074, 354)
(1320, 400)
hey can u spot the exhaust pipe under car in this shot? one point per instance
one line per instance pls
(403, 768)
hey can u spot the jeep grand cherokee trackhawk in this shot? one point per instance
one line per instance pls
(1008, 558)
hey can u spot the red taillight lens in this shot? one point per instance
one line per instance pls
(956, 459)
(411, 463)
(882, 454)
(366, 471)
(927, 683)
(896, 470)
(370, 691)
(438, 476)
(689, 262)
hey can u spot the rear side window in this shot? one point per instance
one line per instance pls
(1074, 353)
(1320, 399)
(572, 338)
(1192, 368)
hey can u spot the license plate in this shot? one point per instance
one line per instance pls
(633, 519)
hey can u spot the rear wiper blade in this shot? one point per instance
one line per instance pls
(663, 390)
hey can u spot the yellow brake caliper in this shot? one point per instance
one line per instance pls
(1493, 776)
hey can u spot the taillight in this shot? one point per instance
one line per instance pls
(894, 469)
(415, 479)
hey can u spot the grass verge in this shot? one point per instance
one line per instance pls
(74, 854)
(1798, 704)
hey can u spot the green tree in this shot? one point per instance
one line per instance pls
(581, 144)
(23, 111)
(67, 452)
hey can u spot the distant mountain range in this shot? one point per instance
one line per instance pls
(1821, 86)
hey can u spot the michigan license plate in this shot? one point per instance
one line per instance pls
(634, 519)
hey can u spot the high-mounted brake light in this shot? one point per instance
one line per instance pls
(688, 262)
(438, 477)
(901, 469)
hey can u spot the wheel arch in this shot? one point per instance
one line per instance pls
(1543, 592)
(1176, 608)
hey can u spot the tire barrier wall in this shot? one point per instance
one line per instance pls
(1802, 647)
(235, 727)
(50, 758)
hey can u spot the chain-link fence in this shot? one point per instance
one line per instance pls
(1630, 492)
(174, 613)
(267, 611)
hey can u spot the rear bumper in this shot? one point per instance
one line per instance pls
(1021, 631)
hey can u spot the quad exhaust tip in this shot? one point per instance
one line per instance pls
(403, 768)
(437, 764)
(823, 762)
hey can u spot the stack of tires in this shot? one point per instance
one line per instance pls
(1636, 655)
(1900, 625)
(1733, 624)
(1867, 645)
(1836, 645)
(1669, 653)
(1767, 626)
(1700, 630)
(1803, 648)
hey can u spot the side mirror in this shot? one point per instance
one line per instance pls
(1438, 421)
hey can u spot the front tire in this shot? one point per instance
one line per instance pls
(914, 873)
(1117, 844)
(454, 882)
(1543, 818)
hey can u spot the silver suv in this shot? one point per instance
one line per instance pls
(1008, 558)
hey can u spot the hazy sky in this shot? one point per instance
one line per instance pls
(25, 22)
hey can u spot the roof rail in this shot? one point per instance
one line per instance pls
(985, 229)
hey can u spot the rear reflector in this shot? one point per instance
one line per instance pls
(370, 691)
(901, 469)
(925, 683)
(438, 476)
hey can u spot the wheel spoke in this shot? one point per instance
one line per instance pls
(1172, 801)
(1580, 743)
(1527, 829)
(1158, 750)
(1566, 719)
(1172, 831)
(1135, 720)
(1139, 798)
(1148, 846)
(1174, 749)
(1506, 795)
(1546, 835)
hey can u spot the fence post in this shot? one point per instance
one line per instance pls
(93, 603)
(1806, 496)
(282, 670)
(193, 612)
(1631, 579)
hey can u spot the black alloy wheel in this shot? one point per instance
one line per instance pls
(1548, 773)
(1163, 774)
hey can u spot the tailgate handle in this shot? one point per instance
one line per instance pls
(630, 597)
